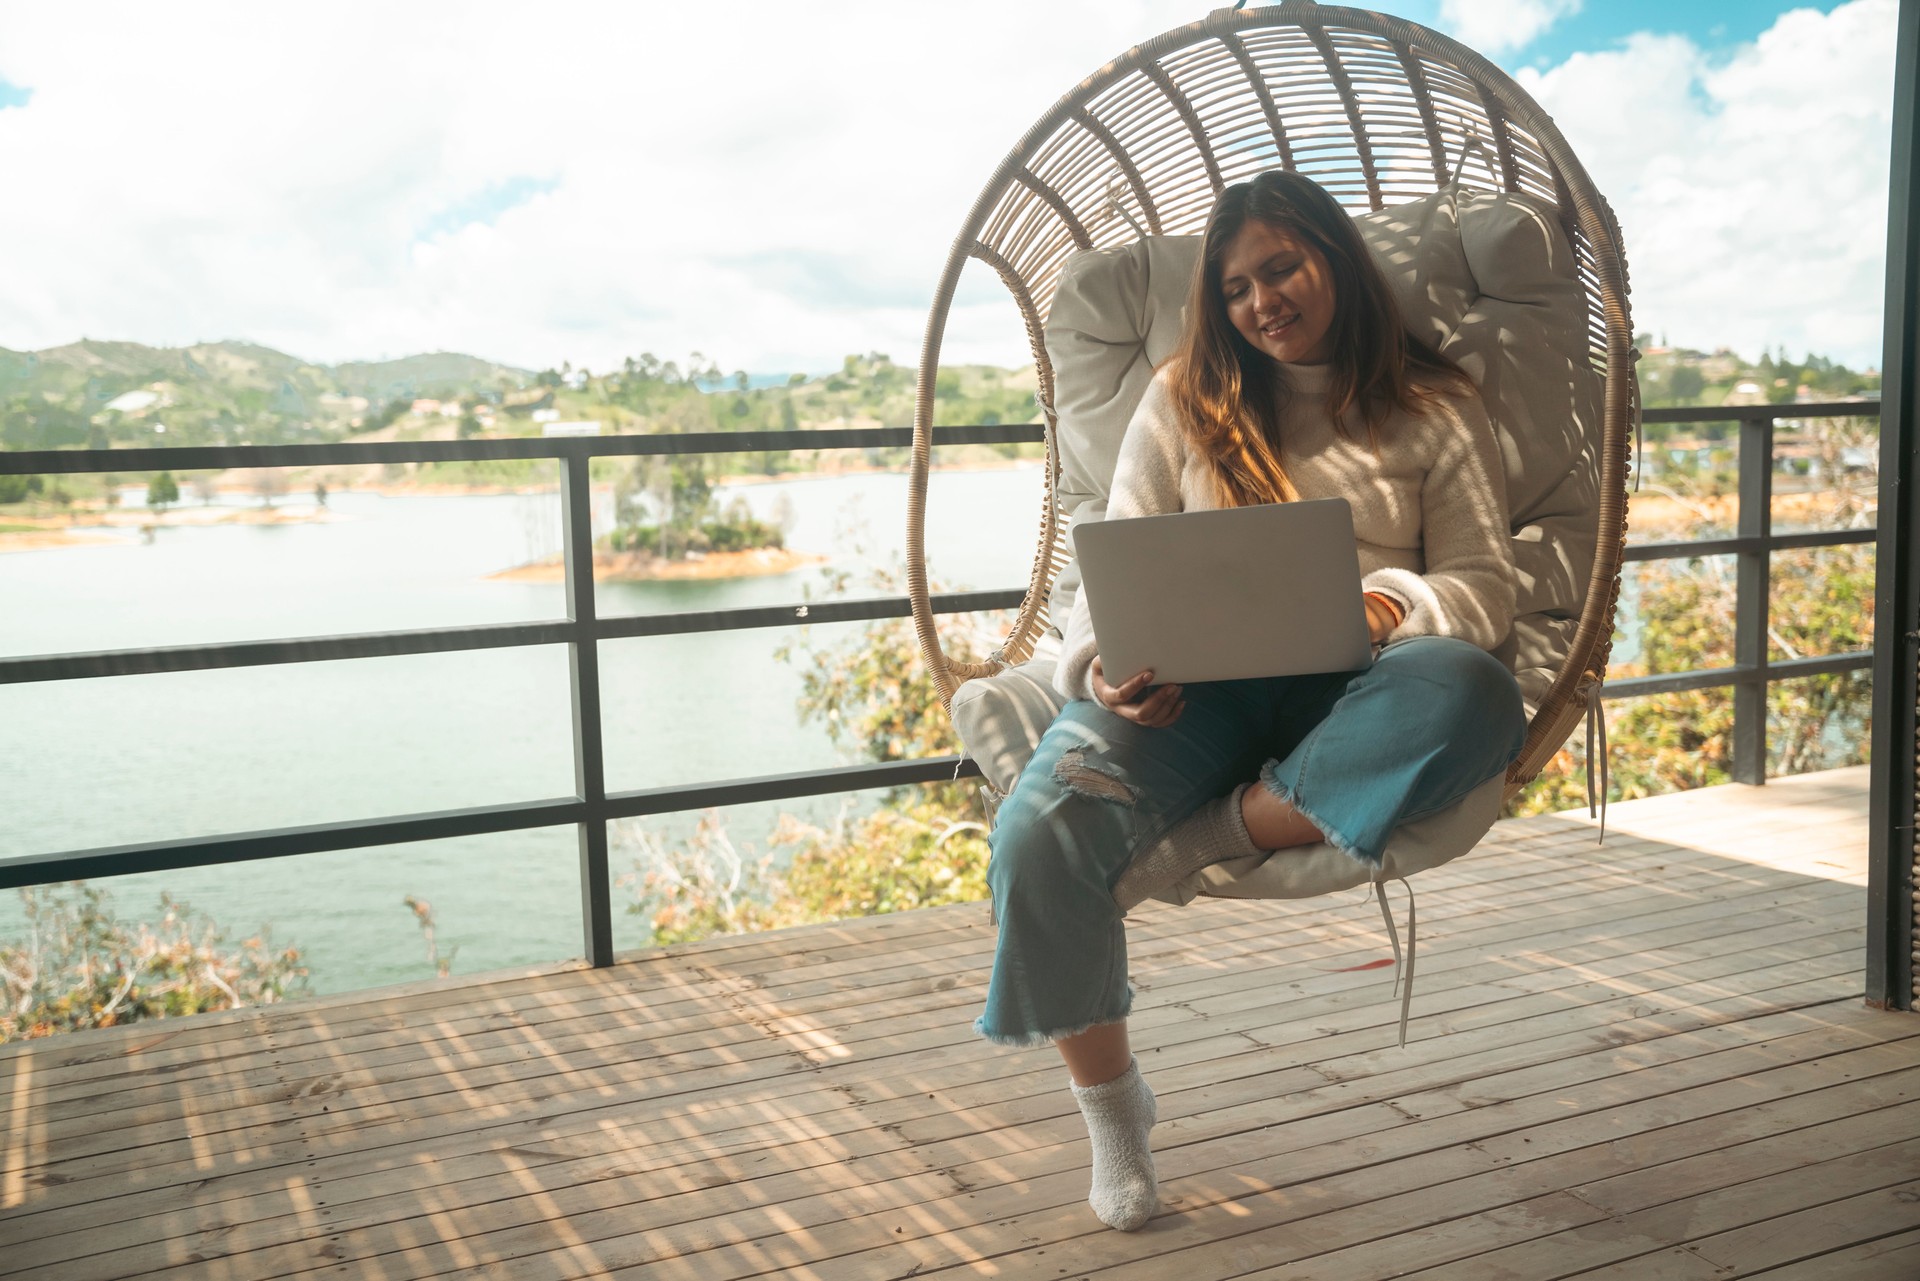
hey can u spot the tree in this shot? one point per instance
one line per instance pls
(17, 489)
(390, 413)
(1686, 384)
(673, 513)
(927, 845)
(687, 500)
(163, 491)
(1821, 602)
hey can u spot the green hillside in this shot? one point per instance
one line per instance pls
(115, 394)
(102, 394)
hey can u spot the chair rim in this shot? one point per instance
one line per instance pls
(1573, 691)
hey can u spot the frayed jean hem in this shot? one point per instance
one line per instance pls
(1031, 1040)
(1328, 833)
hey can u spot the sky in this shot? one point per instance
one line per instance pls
(777, 186)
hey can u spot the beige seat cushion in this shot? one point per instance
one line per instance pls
(1488, 278)
(1001, 718)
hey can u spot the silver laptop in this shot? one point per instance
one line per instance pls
(1242, 592)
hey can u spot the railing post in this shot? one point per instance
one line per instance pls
(583, 655)
(1751, 603)
(1893, 879)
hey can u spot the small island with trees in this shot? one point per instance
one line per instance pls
(669, 523)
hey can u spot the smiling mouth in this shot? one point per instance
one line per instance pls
(1274, 329)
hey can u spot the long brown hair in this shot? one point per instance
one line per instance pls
(1231, 398)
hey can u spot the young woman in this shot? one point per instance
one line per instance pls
(1295, 379)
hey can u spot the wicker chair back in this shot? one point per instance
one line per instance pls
(1375, 109)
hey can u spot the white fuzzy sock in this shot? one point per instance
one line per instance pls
(1119, 1113)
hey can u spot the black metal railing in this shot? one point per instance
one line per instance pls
(593, 807)
(1753, 543)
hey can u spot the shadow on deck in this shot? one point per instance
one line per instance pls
(1643, 1059)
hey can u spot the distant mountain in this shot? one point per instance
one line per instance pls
(215, 393)
(440, 373)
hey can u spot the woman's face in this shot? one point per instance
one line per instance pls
(1278, 292)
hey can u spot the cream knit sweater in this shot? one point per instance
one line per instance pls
(1429, 509)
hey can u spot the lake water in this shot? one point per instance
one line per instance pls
(147, 758)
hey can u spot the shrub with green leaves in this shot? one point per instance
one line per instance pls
(926, 846)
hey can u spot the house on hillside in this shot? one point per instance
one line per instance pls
(133, 402)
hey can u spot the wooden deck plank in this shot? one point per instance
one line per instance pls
(1809, 1233)
(1856, 1193)
(1622, 1031)
(1888, 1258)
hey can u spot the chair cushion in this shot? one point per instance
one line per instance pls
(1488, 278)
(1000, 718)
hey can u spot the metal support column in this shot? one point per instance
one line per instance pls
(1896, 629)
(589, 762)
(1754, 602)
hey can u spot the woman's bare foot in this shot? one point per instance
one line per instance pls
(1274, 824)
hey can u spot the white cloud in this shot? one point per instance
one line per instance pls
(1498, 26)
(774, 185)
(1751, 190)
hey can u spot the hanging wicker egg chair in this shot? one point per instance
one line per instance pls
(1383, 113)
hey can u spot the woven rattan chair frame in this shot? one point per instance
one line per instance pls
(1377, 110)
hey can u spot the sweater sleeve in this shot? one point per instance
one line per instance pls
(1467, 588)
(1146, 482)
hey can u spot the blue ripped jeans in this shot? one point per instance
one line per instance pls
(1358, 753)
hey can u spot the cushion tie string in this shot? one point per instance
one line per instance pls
(1597, 729)
(1472, 142)
(1401, 968)
(1639, 425)
(1116, 207)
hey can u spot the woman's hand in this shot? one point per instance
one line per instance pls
(1383, 615)
(1156, 711)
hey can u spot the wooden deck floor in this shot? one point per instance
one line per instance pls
(1647, 1059)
